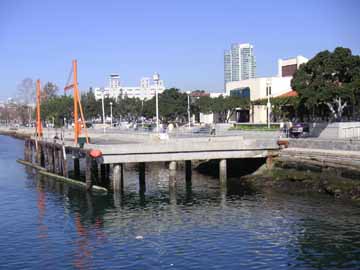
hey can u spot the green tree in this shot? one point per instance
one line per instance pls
(330, 78)
(49, 90)
(57, 108)
(91, 107)
(172, 106)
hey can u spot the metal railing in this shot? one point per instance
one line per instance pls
(352, 132)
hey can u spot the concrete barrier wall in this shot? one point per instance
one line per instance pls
(345, 145)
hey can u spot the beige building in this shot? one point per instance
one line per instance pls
(264, 87)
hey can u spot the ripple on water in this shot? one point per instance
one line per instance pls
(47, 225)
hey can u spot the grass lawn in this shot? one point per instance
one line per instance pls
(255, 127)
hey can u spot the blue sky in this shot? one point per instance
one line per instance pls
(182, 40)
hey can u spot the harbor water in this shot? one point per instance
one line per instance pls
(50, 225)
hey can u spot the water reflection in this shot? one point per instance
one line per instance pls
(50, 225)
(43, 229)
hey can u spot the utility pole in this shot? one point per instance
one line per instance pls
(111, 114)
(103, 109)
(268, 93)
(156, 78)
(188, 107)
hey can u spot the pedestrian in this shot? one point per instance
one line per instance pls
(213, 130)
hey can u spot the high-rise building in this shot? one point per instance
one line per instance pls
(227, 67)
(239, 63)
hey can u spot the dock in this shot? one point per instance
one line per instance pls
(102, 160)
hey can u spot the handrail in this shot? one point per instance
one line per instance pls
(352, 132)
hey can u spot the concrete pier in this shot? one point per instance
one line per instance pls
(118, 178)
(223, 172)
(172, 173)
(111, 157)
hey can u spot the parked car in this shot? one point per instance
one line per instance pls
(299, 130)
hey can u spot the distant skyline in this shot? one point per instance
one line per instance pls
(183, 40)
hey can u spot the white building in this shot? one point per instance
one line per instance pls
(239, 63)
(287, 67)
(146, 89)
(256, 88)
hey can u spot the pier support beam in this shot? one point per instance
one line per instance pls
(172, 173)
(107, 171)
(57, 166)
(38, 153)
(77, 168)
(142, 185)
(223, 172)
(42, 155)
(103, 172)
(88, 170)
(46, 156)
(64, 162)
(118, 177)
(51, 158)
(269, 162)
(188, 171)
(95, 172)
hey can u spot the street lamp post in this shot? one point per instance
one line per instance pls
(111, 115)
(156, 78)
(103, 109)
(268, 93)
(188, 107)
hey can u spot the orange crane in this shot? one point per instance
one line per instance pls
(77, 105)
(39, 131)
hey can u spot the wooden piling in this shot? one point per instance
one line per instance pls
(60, 161)
(51, 157)
(64, 162)
(88, 170)
(56, 160)
(30, 151)
(46, 156)
(26, 150)
(38, 152)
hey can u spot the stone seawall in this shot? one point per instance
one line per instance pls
(302, 170)
(15, 134)
(345, 145)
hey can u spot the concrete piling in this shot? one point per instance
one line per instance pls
(223, 172)
(269, 162)
(118, 177)
(172, 173)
